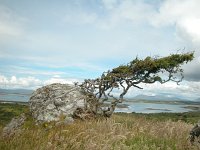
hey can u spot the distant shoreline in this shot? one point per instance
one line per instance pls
(167, 110)
(13, 102)
(121, 108)
(176, 102)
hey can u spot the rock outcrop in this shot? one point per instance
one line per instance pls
(14, 127)
(195, 133)
(55, 101)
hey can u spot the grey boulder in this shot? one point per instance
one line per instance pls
(55, 101)
(14, 127)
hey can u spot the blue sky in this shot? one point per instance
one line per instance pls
(42, 42)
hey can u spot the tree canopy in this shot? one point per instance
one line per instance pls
(99, 92)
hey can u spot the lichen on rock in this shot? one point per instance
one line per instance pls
(14, 127)
(50, 102)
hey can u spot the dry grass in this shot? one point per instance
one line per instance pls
(121, 132)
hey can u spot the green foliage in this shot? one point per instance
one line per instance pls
(138, 68)
(151, 142)
(8, 111)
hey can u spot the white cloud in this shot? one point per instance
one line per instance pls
(184, 14)
(32, 82)
(61, 80)
(186, 89)
(56, 76)
(3, 80)
(14, 82)
(189, 27)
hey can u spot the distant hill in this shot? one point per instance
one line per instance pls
(158, 97)
(198, 99)
(16, 91)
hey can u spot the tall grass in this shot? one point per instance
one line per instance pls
(121, 132)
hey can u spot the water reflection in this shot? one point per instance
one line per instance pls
(152, 108)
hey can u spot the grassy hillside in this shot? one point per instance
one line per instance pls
(121, 132)
(8, 111)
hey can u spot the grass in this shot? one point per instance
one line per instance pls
(8, 111)
(122, 131)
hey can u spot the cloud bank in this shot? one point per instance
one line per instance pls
(187, 90)
(32, 82)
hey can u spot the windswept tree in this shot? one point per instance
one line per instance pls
(100, 99)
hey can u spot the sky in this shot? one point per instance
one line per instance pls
(46, 41)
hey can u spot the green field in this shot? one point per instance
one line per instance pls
(8, 111)
(163, 131)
